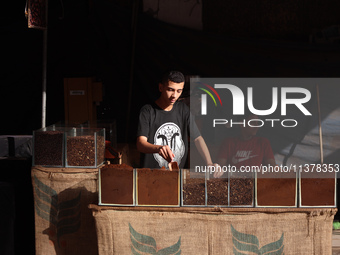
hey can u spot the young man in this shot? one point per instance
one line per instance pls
(165, 126)
(246, 149)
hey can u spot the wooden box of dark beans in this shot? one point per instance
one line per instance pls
(276, 189)
(317, 185)
(193, 189)
(157, 187)
(116, 184)
(230, 190)
(241, 189)
(48, 147)
(85, 147)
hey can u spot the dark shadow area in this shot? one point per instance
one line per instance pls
(16, 173)
(96, 40)
(7, 218)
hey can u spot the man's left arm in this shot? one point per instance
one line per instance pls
(203, 150)
(205, 154)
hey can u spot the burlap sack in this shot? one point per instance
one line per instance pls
(231, 231)
(63, 222)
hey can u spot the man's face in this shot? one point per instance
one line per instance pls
(171, 92)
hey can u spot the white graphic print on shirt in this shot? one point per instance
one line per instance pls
(169, 134)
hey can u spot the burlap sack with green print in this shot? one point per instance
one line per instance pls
(63, 222)
(232, 231)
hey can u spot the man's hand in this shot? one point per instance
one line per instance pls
(166, 153)
(218, 171)
(145, 147)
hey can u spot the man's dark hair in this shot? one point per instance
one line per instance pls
(174, 76)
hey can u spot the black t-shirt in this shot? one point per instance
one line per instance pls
(171, 128)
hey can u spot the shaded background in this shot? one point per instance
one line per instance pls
(97, 39)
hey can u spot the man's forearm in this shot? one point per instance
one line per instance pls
(146, 147)
(203, 150)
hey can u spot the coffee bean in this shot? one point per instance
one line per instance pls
(81, 151)
(241, 191)
(48, 148)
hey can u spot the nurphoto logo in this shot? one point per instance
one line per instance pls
(282, 98)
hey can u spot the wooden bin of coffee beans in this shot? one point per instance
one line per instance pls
(193, 188)
(276, 189)
(317, 185)
(117, 185)
(48, 147)
(241, 189)
(85, 148)
(157, 187)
